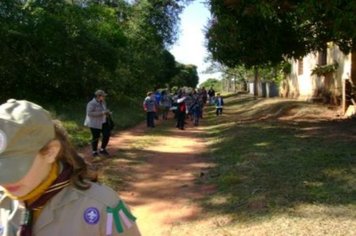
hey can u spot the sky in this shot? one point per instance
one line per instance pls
(190, 49)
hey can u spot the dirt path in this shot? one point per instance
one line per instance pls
(159, 171)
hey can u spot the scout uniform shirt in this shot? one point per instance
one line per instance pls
(73, 212)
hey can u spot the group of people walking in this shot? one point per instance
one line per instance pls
(159, 104)
(184, 105)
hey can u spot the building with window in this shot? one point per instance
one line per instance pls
(318, 75)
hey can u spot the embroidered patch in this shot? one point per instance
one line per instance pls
(3, 141)
(91, 215)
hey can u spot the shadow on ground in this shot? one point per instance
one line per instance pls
(273, 156)
(262, 158)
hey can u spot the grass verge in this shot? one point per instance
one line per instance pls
(282, 161)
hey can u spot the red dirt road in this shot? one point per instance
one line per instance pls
(160, 171)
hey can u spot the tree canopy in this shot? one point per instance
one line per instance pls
(211, 83)
(69, 48)
(186, 75)
(262, 32)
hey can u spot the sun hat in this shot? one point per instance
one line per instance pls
(25, 128)
(100, 92)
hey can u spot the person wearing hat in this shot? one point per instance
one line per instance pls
(149, 105)
(97, 120)
(219, 104)
(44, 185)
(181, 111)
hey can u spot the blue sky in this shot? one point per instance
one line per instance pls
(190, 49)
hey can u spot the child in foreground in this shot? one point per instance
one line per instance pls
(44, 186)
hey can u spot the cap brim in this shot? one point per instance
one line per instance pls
(13, 169)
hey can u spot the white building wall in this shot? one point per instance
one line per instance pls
(305, 86)
(344, 70)
(307, 82)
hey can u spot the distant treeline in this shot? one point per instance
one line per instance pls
(64, 50)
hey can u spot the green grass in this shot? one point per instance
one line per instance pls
(269, 166)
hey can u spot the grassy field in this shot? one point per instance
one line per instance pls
(283, 168)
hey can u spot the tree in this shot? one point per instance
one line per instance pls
(150, 27)
(186, 75)
(167, 69)
(256, 37)
(261, 32)
(68, 48)
(161, 17)
(59, 50)
(212, 83)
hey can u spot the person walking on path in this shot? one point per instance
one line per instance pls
(181, 112)
(204, 94)
(211, 94)
(196, 111)
(165, 104)
(157, 98)
(189, 100)
(97, 120)
(149, 105)
(219, 104)
(174, 107)
(44, 184)
(202, 97)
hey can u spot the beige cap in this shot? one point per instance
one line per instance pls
(24, 129)
(100, 93)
